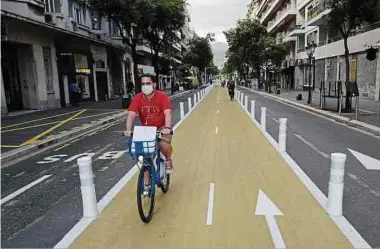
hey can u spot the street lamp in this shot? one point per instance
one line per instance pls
(310, 49)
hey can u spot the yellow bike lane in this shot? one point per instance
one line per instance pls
(219, 145)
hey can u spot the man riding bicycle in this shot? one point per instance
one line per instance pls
(154, 109)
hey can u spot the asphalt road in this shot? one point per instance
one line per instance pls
(42, 215)
(311, 139)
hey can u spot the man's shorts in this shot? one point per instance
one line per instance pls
(166, 138)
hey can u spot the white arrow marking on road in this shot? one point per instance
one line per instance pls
(267, 208)
(367, 161)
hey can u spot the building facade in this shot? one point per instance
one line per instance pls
(49, 45)
(297, 23)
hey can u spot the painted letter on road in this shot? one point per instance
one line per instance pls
(78, 156)
(51, 159)
(111, 155)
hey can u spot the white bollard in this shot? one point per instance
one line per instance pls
(195, 99)
(182, 110)
(336, 185)
(253, 109)
(189, 103)
(282, 135)
(90, 204)
(242, 98)
(246, 103)
(263, 120)
(199, 96)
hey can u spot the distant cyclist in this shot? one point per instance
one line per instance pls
(231, 88)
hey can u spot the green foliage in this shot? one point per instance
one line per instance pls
(250, 47)
(200, 53)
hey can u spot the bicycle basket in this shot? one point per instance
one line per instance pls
(144, 148)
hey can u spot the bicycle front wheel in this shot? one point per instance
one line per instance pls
(145, 195)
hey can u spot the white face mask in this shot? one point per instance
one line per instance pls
(147, 89)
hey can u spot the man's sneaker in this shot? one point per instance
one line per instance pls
(169, 166)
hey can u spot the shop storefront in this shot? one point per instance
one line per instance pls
(75, 68)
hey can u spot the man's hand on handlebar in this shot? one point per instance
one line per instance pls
(127, 134)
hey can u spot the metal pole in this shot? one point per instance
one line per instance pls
(89, 202)
(336, 185)
(357, 107)
(282, 135)
(309, 96)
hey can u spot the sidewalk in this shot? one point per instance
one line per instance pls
(241, 163)
(368, 116)
(368, 109)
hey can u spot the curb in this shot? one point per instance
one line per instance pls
(64, 136)
(353, 123)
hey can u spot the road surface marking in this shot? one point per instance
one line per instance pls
(267, 208)
(210, 204)
(10, 146)
(361, 182)
(53, 128)
(23, 189)
(29, 127)
(313, 146)
(368, 162)
(216, 130)
(31, 121)
(275, 120)
(64, 146)
(217, 112)
(104, 168)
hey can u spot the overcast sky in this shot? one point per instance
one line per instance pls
(216, 15)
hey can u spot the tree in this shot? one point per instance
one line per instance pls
(128, 16)
(200, 53)
(247, 43)
(345, 16)
(213, 70)
(164, 19)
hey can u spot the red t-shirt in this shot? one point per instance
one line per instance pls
(151, 112)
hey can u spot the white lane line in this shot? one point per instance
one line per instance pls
(364, 184)
(313, 146)
(275, 120)
(210, 204)
(216, 130)
(23, 189)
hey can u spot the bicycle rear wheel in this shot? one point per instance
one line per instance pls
(145, 203)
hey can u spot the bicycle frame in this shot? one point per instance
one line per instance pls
(148, 161)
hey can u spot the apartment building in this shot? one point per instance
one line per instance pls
(296, 23)
(175, 56)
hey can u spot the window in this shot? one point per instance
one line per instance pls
(78, 15)
(46, 51)
(70, 4)
(83, 8)
(114, 30)
(96, 21)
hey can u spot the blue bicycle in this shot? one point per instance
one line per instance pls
(152, 163)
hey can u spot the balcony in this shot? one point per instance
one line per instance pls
(316, 14)
(282, 17)
(273, 6)
(302, 3)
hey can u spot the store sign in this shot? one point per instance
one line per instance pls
(83, 70)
